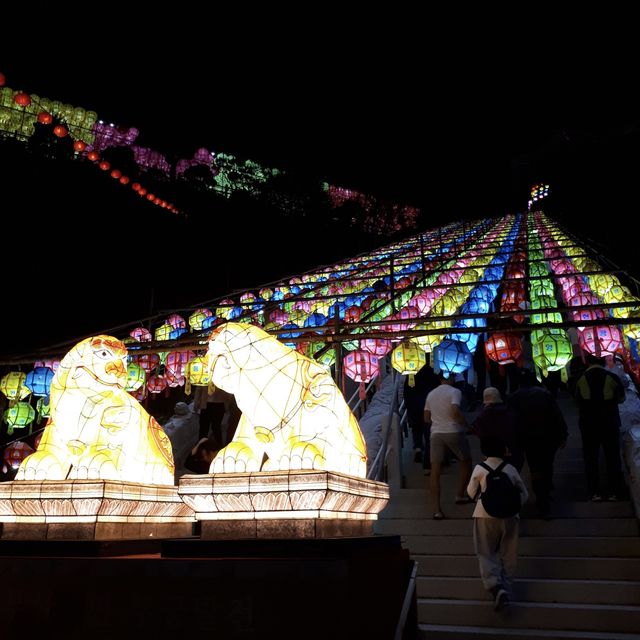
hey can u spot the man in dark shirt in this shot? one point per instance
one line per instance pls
(414, 398)
(541, 430)
(598, 393)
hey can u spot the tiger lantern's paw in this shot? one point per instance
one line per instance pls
(41, 465)
(299, 455)
(236, 456)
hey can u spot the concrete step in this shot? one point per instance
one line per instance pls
(420, 507)
(535, 590)
(455, 632)
(551, 567)
(592, 547)
(528, 527)
(532, 615)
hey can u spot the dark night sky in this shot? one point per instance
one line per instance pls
(457, 120)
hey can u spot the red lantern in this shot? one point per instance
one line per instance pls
(136, 186)
(15, 453)
(93, 156)
(116, 173)
(2, 79)
(79, 146)
(124, 180)
(60, 131)
(503, 348)
(45, 118)
(156, 384)
(104, 165)
(22, 99)
(142, 191)
(150, 196)
(352, 314)
(148, 361)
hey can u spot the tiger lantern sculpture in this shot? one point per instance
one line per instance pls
(293, 414)
(96, 429)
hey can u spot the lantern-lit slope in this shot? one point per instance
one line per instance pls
(518, 288)
(21, 114)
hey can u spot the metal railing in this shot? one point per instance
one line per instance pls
(407, 626)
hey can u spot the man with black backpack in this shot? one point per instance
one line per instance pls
(500, 492)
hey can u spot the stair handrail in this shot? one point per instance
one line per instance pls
(409, 605)
(377, 466)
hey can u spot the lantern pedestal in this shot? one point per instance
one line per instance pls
(283, 504)
(91, 510)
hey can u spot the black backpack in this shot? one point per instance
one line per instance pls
(501, 498)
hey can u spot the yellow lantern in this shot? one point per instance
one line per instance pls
(408, 358)
(196, 373)
(12, 385)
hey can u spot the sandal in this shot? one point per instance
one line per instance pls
(438, 515)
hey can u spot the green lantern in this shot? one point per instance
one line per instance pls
(19, 416)
(136, 376)
(551, 351)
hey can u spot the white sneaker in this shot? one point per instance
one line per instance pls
(502, 600)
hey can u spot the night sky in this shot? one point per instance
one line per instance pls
(456, 120)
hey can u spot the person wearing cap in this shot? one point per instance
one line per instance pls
(599, 391)
(497, 421)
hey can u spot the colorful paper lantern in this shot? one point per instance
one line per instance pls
(136, 377)
(551, 351)
(39, 381)
(163, 332)
(452, 357)
(408, 358)
(196, 373)
(20, 415)
(361, 366)
(600, 341)
(13, 385)
(15, 453)
(197, 318)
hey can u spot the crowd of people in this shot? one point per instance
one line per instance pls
(525, 425)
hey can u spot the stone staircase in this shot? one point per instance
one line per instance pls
(578, 574)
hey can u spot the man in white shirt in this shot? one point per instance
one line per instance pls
(448, 426)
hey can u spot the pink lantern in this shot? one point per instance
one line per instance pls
(600, 341)
(51, 364)
(176, 321)
(175, 364)
(406, 314)
(279, 317)
(141, 334)
(361, 366)
(582, 300)
(376, 346)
